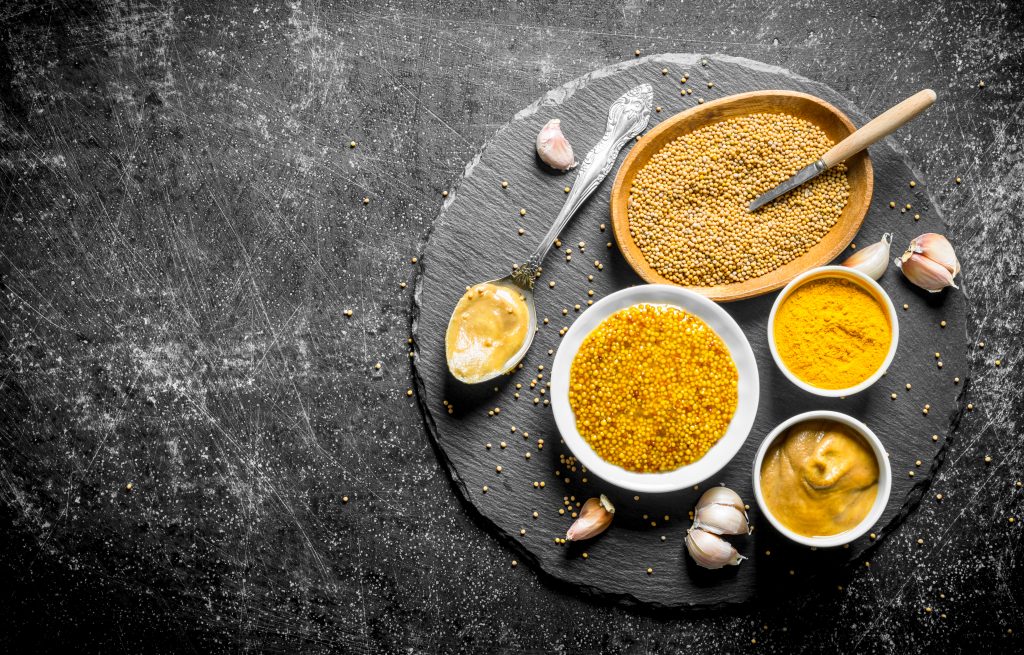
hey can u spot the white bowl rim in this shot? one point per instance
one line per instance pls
(884, 479)
(831, 271)
(748, 390)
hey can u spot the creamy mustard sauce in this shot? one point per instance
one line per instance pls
(488, 327)
(820, 478)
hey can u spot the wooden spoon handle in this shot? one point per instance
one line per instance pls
(879, 128)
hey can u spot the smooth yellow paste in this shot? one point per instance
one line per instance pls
(488, 327)
(820, 478)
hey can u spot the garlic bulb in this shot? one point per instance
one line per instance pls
(872, 260)
(930, 262)
(594, 518)
(720, 510)
(721, 519)
(711, 551)
(553, 148)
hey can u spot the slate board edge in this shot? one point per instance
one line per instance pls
(558, 96)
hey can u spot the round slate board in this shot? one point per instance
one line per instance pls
(476, 238)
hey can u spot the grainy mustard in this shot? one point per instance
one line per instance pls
(653, 388)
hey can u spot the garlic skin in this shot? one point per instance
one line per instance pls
(711, 551)
(594, 518)
(721, 496)
(553, 148)
(930, 262)
(872, 260)
(721, 519)
(938, 249)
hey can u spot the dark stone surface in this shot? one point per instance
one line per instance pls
(181, 223)
(476, 238)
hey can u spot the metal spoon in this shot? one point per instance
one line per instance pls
(627, 117)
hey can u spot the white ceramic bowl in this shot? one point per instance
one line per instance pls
(748, 390)
(884, 479)
(869, 285)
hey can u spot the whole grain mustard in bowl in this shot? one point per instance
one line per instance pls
(822, 478)
(833, 331)
(654, 388)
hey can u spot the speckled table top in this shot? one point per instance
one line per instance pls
(198, 451)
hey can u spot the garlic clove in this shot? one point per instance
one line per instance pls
(594, 518)
(938, 249)
(721, 496)
(721, 519)
(711, 551)
(925, 273)
(553, 148)
(872, 260)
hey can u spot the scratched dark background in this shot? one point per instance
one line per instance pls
(183, 404)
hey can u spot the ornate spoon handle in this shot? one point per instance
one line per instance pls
(627, 117)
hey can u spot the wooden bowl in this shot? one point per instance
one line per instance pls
(832, 121)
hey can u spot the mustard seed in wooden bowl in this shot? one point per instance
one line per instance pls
(688, 204)
(679, 203)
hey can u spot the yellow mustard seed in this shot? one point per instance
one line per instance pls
(652, 388)
(688, 205)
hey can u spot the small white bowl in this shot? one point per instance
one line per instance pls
(869, 285)
(719, 321)
(884, 479)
